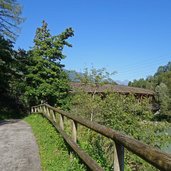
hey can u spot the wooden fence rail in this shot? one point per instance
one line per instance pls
(155, 157)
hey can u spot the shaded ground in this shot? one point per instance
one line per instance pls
(18, 148)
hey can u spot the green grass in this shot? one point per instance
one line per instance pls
(52, 148)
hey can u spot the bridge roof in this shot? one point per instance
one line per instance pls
(110, 88)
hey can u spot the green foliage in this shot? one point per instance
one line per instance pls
(45, 79)
(138, 83)
(161, 83)
(52, 148)
(125, 110)
(6, 63)
(162, 94)
(86, 106)
(9, 102)
(125, 114)
(122, 113)
(163, 69)
(10, 18)
(50, 47)
(95, 76)
(35, 76)
(94, 144)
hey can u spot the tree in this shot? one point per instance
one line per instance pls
(121, 113)
(46, 81)
(138, 83)
(95, 76)
(161, 84)
(6, 60)
(92, 78)
(10, 76)
(6, 70)
(10, 18)
(162, 96)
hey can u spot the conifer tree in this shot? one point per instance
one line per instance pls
(10, 18)
(46, 80)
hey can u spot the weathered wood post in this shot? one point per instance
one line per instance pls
(39, 109)
(118, 157)
(44, 110)
(61, 121)
(50, 113)
(74, 131)
(53, 115)
(74, 137)
(47, 111)
(32, 109)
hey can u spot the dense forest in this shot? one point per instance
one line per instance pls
(161, 84)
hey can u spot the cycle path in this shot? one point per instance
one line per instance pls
(18, 148)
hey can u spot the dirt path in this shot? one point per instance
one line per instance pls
(18, 148)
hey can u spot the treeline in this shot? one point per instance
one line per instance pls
(161, 84)
(30, 77)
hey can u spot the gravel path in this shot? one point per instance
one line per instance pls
(18, 148)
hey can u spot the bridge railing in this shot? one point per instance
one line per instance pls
(155, 157)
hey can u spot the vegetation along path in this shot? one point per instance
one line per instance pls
(18, 147)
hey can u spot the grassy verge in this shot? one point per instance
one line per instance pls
(52, 148)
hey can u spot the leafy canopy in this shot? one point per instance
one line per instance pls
(161, 84)
(46, 80)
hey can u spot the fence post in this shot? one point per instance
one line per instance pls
(53, 116)
(118, 157)
(74, 131)
(48, 112)
(39, 109)
(32, 111)
(61, 121)
(44, 110)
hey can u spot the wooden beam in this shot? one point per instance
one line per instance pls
(157, 158)
(118, 157)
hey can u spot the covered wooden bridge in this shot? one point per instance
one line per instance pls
(104, 88)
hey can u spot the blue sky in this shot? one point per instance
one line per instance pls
(132, 37)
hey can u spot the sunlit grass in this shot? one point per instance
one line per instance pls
(52, 148)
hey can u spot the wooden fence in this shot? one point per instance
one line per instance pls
(155, 157)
